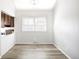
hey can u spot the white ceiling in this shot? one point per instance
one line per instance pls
(35, 4)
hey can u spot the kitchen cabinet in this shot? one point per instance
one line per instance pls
(7, 42)
(2, 19)
(6, 20)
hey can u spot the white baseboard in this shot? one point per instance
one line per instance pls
(62, 51)
(31, 43)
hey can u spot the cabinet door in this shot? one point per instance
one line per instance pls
(2, 19)
(7, 21)
(12, 22)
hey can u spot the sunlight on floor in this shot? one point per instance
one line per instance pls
(34, 52)
(35, 55)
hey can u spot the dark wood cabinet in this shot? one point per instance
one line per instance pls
(2, 19)
(6, 20)
(12, 22)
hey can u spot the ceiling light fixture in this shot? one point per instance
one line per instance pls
(34, 2)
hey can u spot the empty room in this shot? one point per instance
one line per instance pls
(39, 29)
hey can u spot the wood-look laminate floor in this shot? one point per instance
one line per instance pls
(39, 51)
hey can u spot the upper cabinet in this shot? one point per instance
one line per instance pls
(2, 19)
(7, 15)
(6, 20)
(7, 24)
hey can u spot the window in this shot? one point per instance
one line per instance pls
(28, 24)
(34, 24)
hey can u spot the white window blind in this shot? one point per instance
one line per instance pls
(40, 23)
(34, 24)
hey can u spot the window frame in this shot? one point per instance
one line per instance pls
(34, 30)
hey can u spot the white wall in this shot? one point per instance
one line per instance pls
(0, 30)
(66, 27)
(34, 37)
(8, 7)
(0, 34)
(6, 41)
